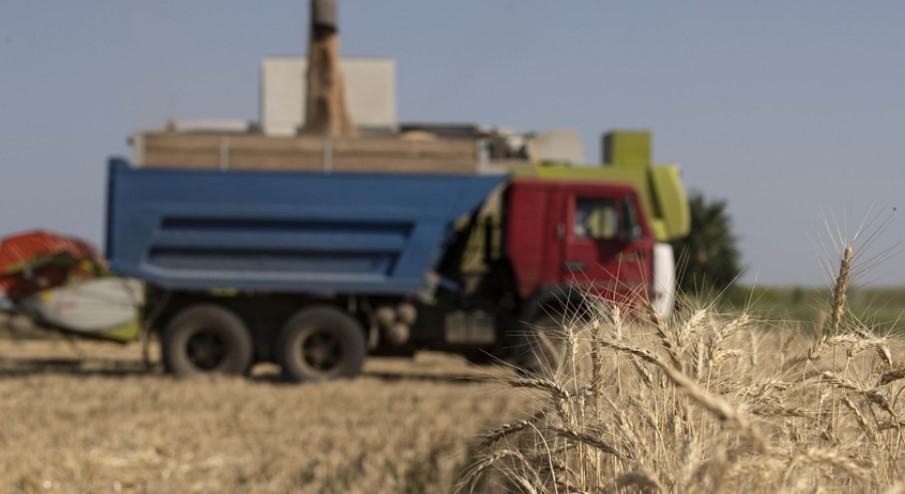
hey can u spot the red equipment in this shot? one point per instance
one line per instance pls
(547, 244)
(37, 260)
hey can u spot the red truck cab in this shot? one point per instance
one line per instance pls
(591, 235)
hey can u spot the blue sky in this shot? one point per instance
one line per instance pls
(792, 111)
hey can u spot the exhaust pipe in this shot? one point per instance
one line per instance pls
(323, 16)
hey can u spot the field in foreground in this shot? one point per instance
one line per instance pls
(702, 402)
(84, 417)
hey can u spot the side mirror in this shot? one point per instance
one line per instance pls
(629, 228)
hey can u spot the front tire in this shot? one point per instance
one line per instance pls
(207, 339)
(321, 343)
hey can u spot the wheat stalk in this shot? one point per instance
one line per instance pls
(715, 423)
(663, 334)
(840, 295)
(710, 402)
(892, 375)
(585, 438)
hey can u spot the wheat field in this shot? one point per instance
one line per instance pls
(632, 402)
(85, 417)
(707, 402)
(703, 402)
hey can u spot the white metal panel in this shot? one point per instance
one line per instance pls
(557, 146)
(88, 306)
(222, 125)
(664, 295)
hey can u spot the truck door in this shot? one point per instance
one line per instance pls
(605, 248)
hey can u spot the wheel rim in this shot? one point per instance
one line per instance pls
(321, 350)
(206, 349)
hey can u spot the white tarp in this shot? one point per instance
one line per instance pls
(90, 306)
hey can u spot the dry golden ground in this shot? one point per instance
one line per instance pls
(84, 417)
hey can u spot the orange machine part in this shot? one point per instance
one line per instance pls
(36, 260)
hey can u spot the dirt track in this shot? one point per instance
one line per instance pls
(87, 418)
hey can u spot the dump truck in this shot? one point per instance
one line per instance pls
(314, 271)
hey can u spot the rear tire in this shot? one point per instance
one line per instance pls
(206, 339)
(320, 343)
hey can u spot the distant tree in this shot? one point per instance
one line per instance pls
(708, 258)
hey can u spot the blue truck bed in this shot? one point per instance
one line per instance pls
(283, 231)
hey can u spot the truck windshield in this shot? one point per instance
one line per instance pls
(595, 218)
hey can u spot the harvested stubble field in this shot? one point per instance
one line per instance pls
(85, 417)
(702, 402)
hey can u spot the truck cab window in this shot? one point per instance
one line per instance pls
(595, 218)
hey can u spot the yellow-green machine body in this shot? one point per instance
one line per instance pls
(627, 159)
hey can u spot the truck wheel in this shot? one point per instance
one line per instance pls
(206, 339)
(321, 343)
